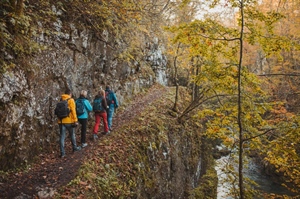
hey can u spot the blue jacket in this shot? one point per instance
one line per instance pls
(115, 103)
(88, 108)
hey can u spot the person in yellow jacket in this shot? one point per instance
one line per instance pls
(68, 123)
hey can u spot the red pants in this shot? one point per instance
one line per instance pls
(98, 117)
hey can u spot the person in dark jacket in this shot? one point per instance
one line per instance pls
(99, 107)
(68, 123)
(83, 117)
(113, 104)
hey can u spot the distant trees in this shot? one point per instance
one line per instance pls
(280, 75)
(233, 103)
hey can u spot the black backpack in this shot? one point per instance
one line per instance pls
(97, 105)
(80, 107)
(62, 109)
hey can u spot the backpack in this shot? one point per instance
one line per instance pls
(62, 109)
(109, 97)
(80, 107)
(97, 105)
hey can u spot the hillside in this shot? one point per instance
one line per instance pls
(48, 47)
(145, 156)
(239, 65)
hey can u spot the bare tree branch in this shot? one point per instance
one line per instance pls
(250, 138)
(219, 39)
(165, 7)
(280, 74)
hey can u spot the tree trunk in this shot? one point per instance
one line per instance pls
(19, 7)
(241, 137)
(197, 87)
(175, 108)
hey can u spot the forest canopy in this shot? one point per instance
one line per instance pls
(240, 63)
(245, 83)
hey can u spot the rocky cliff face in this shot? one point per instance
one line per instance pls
(77, 60)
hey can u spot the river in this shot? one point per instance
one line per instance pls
(265, 183)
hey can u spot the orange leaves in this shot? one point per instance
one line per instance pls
(279, 110)
(208, 42)
(83, 183)
(279, 113)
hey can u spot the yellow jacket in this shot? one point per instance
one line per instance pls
(72, 118)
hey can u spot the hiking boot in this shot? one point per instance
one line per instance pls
(95, 137)
(63, 156)
(84, 145)
(107, 133)
(77, 149)
(110, 129)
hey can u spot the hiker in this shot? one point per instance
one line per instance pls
(83, 107)
(68, 123)
(99, 107)
(112, 103)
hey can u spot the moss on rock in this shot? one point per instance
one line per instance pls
(152, 156)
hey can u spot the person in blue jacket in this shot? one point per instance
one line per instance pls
(113, 103)
(83, 107)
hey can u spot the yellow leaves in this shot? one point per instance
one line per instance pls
(281, 152)
(205, 113)
(208, 42)
(228, 141)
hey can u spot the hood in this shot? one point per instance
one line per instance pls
(65, 96)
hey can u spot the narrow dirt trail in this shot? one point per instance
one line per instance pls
(51, 172)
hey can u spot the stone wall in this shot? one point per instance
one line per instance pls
(77, 60)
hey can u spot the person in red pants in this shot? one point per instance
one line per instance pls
(99, 108)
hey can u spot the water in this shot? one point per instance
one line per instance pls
(223, 186)
(265, 183)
